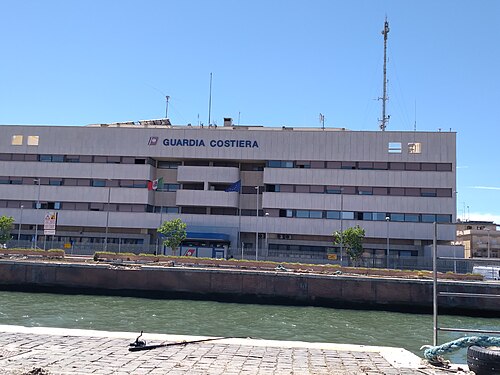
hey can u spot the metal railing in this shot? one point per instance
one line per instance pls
(436, 293)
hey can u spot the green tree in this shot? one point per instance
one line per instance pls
(174, 232)
(6, 225)
(351, 240)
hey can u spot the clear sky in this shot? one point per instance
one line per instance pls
(274, 63)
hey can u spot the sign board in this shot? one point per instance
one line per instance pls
(49, 223)
(332, 256)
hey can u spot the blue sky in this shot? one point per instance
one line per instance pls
(273, 62)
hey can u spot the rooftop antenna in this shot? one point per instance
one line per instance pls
(166, 108)
(322, 120)
(210, 101)
(415, 121)
(384, 98)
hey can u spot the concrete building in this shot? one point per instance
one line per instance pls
(289, 188)
(480, 239)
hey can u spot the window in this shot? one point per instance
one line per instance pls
(333, 164)
(397, 166)
(429, 166)
(367, 216)
(348, 215)
(17, 140)
(379, 216)
(302, 188)
(285, 213)
(333, 189)
(55, 181)
(170, 187)
(443, 218)
(428, 218)
(394, 147)
(273, 164)
(333, 215)
(33, 140)
(428, 192)
(168, 164)
(443, 167)
(397, 217)
(364, 190)
(348, 165)
(379, 191)
(317, 189)
(317, 164)
(365, 165)
(286, 188)
(303, 164)
(412, 166)
(316, 214)
(412, 218)
(302, 213)
(397, 191)
(98, 183)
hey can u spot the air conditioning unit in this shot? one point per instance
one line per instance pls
(284, 236)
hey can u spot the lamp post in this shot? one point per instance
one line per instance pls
(341, 224)
(488, 231)
(107, 220)
(37, 207)
(256, 220)
(20, 224)
(157, 235)
(387, 219)
(266, 215)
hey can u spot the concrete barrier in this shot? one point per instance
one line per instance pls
(247, 286)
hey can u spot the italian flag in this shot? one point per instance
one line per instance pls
(156, 184)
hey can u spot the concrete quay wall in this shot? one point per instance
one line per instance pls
(248, 286)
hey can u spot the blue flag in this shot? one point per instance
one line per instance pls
(234, 187)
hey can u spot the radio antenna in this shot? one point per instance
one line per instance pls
(384, 98)
(166, 108)
(210, 101)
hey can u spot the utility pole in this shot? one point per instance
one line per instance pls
(384, 98)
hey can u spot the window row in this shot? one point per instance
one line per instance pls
(14, 180)
(366, 216)
(51, 158)
(360, 190)
(396, 166)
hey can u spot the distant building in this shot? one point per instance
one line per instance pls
(289, 188)
(480, 239)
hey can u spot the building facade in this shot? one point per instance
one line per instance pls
(480, 239)
(285, 190)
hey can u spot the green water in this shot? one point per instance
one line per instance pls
(313, 324)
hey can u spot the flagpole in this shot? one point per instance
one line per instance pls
(239, 222)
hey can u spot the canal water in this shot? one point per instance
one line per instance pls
(313, 324)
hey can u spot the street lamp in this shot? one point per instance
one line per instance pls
(107, 220)
(37, 180)
(20, 224)
(256, 220)
(266, 215)
(387, 219)
(488, 231)
(341, 223)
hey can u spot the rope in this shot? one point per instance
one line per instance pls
(431, 353)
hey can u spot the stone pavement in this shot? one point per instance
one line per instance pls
(45, 351)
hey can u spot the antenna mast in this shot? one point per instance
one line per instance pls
(210, 101)
(166, 108)
(384, 98)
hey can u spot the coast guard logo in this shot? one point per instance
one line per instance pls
(152, 141)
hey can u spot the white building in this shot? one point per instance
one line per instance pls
(96, 178)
